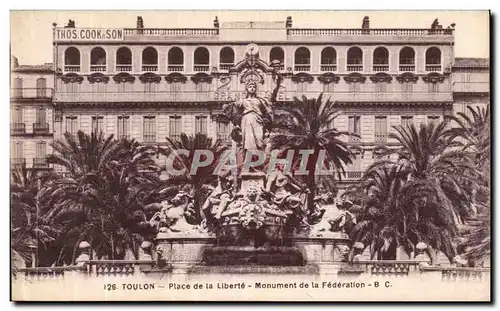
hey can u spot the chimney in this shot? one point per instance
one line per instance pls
(14, 62)
(71, 24)
(140, 22)
(216, 22)
(289, 22)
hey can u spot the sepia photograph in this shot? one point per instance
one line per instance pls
(218, 155)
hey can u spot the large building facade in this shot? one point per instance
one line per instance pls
(31, 114)
(149, 84)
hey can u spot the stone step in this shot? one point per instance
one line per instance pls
(254, 269)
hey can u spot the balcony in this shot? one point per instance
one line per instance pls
(149, 68)
(328, 67)
(40, 163)
(354, 68)
(354, 175)
(40, 128)
(406, 68)
(97, 68)
(18, 161)
(124, 68)
(175, 68)
(302, 67)
(201, 68)
(381, 67)
(71, 68)
(17, 128)
(225, 66)
(354, 139)
(149, 137)
(432, 68)
(380, 138)
(32, 93)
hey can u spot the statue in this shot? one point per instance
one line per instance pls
(336, 218)
(217, 202)
(172, 216)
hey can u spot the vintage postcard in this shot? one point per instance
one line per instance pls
(250, 156)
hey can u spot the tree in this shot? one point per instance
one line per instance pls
(305, 126)
(203, 176)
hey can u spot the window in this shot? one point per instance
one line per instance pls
(223, 131)
(381, 87)
(433, 120)
(433, 59)
(72, 125)
(175, 59)
(302, 87)
(18, 88)
(17, 115)
(226, 58)
(97, 123)
(200, 125)
(98, 59)
(40, 116)
(354, 59)
(123, 59)
(407, 87)
(202, 87)
(302, 59)
(41, 150)
(328, 87)
(201, 59)
(41, 87)
(175, 127)
(17, 151)
(277, 53)
(328, 57)
(354, 87)
(149, 128)
(380, 129)
(149, 59)
(433, 87)
(380, 59)
(354, 123)
(123, 128)
(406, 121)
(72, 59)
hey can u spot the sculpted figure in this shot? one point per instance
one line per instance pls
(285, 191)
(218, 200)
(172, 215)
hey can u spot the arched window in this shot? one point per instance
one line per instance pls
(72, 59)
(149, 59)
(433, 59)
(328, 59)
(381, 59)
(354, 59)
(277, 53)
(98, 59)
(407, 59)
(175, 59)
(201, 59)
(226, 59)
(302, 59)
(123, 59)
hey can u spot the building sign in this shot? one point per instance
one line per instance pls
(231, 96)
(88, 34)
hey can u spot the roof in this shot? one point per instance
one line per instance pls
(48, 67)
(468, 62)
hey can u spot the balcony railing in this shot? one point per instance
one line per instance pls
(354, 138)
(175, 68)
(354, 68)
(207, 32)
(354, 174)
(40, 163)
(380, 138)
(72, 68)
(149, 137)
(201, 68)
(97, 68)
(32, 93)
(302, 67)
(191, 96)
(380, 68)
(18, 161)
(406, 68)
(370, 32)
(18, 128)
(40, 128)
(226, 66)
(328, 67)
(124, 68)
(432, 67)
(149, 68)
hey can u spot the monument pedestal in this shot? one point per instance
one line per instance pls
(251, 180)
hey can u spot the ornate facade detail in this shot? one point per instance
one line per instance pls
(98, 78)
(355, 77)
(72, 77)
(224, 83)
(202, 77)
(381, 77)
(124, 77)
(328, 78)
(433, 77)
(176, 77)
(58, 115)
(150, 77)
(254, 74)
(302, 77)
(407, 77)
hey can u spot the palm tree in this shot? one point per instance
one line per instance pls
(204, 176)
(306, 126)
(101, 191)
